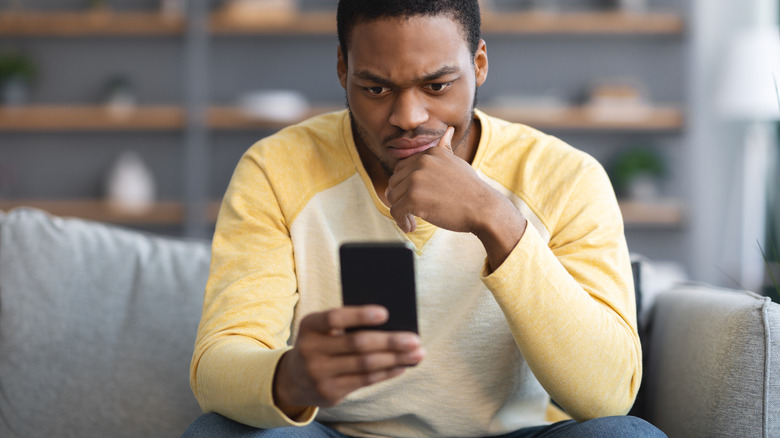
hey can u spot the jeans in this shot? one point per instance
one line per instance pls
(215, 425)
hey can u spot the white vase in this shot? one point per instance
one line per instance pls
(632, 6)
(130, 185)
(173, 8)
(644, 187)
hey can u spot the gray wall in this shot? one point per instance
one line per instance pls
(675, 69)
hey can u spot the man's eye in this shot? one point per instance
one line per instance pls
(439, 86)
(376, 91)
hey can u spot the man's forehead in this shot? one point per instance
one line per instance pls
(392, 29)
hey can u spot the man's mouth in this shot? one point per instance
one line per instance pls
(406, 147)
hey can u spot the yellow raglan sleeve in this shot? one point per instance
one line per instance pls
(570, 302)
(248, 306)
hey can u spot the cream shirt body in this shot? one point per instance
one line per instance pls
(556, 317)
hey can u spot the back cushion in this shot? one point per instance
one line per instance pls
(97, 326)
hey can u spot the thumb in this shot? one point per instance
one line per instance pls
(446, 140)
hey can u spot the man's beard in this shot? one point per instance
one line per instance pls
(361, 134)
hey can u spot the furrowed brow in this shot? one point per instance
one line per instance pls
(446, 70)
(368, 76)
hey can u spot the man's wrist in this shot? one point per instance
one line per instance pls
(500, 228)
(281, 388)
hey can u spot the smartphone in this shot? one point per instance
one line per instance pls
(381, 273)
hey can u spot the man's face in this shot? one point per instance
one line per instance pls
(407, 80)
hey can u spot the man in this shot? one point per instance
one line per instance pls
(524, 281)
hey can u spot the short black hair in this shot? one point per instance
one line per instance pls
(351, 12)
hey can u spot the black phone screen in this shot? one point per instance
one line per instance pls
(381, 273)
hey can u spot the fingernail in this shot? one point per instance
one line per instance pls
(377, 315)
(411, 223)
(410, 341)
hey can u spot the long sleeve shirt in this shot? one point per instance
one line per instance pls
(557, 318)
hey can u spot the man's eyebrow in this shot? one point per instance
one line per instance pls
(367, 75)
(446, 70)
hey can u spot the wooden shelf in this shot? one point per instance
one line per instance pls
(514, 23)
(89, 118)
(162, 118)
(89, 23)
(107, 23)
(307, 23)
(666, 214)
(582, 23)
(585, 119)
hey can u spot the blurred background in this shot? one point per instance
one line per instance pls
(135, 112)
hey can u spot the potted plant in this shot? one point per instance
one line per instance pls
(636, 173)
(17, 72)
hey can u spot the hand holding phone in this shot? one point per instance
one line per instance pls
(381, 273)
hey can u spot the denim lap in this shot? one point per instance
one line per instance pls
(215, 425)
(605, 427)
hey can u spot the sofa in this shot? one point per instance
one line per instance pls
(97, 325)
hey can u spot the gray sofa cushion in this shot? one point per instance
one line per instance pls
(97, 326)
(713, 364)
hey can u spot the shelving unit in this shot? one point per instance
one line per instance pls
(585, 119)
(304, 23)
(151, 118)
(658, 214)
(49, 118)
(90, 118)
(514, 23)
(89, 23)
(107, 23)
(582, 23)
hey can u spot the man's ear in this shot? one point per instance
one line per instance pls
(341, 67)
(481, 63)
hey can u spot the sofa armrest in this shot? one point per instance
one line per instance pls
(711, 366)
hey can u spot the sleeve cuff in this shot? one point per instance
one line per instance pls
(512, 265)
(283, 419)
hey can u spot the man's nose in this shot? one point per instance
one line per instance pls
(409, 110)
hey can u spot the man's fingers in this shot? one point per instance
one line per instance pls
(343, 318)
(328, 363)
(372, 341)
(360, 341)
(410, 224)
(398, 184)
(351, 382)
(405, 221)
(395, 192)
(446, 139)
(333, 391)
(371, 363)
